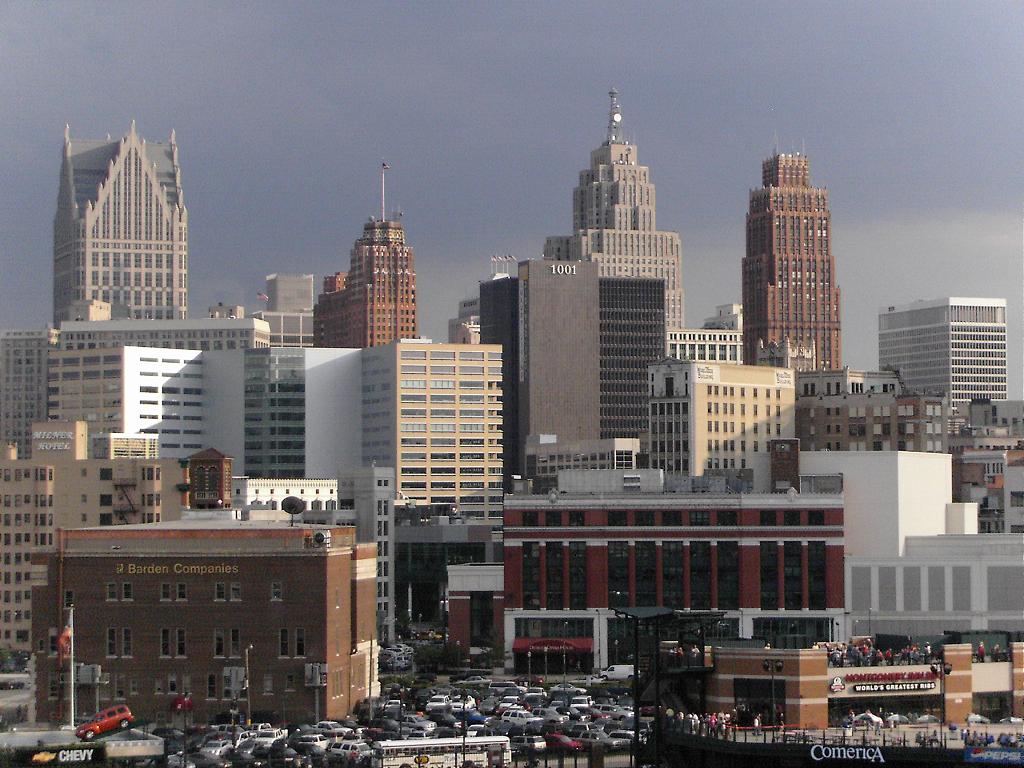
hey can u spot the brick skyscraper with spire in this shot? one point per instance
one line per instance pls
(789, 274)
(373, 303)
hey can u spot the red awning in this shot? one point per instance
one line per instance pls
(553, 644)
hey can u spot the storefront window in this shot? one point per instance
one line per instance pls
(769, 575)
(728, 575)
(553, 556)
(646, 573)
(672, 574)
(618, 574)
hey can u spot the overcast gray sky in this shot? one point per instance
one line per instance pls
(911, 113)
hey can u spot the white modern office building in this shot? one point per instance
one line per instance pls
(955, 346)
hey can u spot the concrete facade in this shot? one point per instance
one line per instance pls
(214, 333)
(120, 234)
(708, 419)
(614, 223)
(62, 487)
(849, 410)
(955, 346)
(24, 361)
(434, 412)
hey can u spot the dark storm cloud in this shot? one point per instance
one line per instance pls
(911, 114)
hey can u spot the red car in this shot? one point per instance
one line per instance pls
(111, 719)
(563, 742)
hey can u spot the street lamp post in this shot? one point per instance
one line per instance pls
(773, 666)
(565, 642)
(248, 688)
(529, 668)
(942, 671)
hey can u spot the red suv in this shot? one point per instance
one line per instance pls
(107, 720)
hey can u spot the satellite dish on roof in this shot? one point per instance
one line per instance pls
(293, 505)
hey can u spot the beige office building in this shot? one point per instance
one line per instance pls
(613, 214)
(433, 411)
(200, 333)
(120, 234)
(61, 487)
(710, 419)
(23, 364)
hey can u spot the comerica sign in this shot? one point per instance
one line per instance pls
(821, 752)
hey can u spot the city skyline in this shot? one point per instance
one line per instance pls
(909, 177)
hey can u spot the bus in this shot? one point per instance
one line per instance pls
(481, 751)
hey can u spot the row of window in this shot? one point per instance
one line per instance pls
(671, 517)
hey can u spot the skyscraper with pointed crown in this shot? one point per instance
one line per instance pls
(120, 234)
(614, 220)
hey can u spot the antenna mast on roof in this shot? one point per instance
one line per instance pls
(383, 167)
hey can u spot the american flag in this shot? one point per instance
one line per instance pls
(384, 166)
(262, 296)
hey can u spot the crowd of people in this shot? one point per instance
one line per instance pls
(863, 653)
(977, 739)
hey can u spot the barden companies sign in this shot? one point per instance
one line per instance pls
(823, 752)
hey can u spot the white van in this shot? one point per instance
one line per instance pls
(520, 717)
(618, 672)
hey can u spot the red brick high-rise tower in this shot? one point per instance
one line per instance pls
(789, 273)
(375, 302)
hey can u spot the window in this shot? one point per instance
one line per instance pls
(211, 686)
(126, 641)
(769, 575)
(236, 642)
(553, 554)
(219, 593)
(111, 591)
(768, 517)
(182, 591)
(282, 649)
(236, 590)
(179, 642)
(165, 642)
(300, 642)
(791, 517)
(276, 591)
(111, 641)
(126, 590)
(218, 642)
(165, 590)
(727, 517)
(700, 518)
(618, 574)
(268, 684)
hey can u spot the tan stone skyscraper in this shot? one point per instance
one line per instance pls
(121, 230)
(789, 274)
(613, 221)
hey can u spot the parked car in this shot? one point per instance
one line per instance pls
(561, 742)
(528, 744)
(438, 703)
(105, 721)
(217, 747)
(349, 751)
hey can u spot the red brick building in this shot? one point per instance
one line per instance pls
(772, 562)
(185, 607)
(327, 312)
(376, 304)
(790, 289)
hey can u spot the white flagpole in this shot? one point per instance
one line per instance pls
(71, 626)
